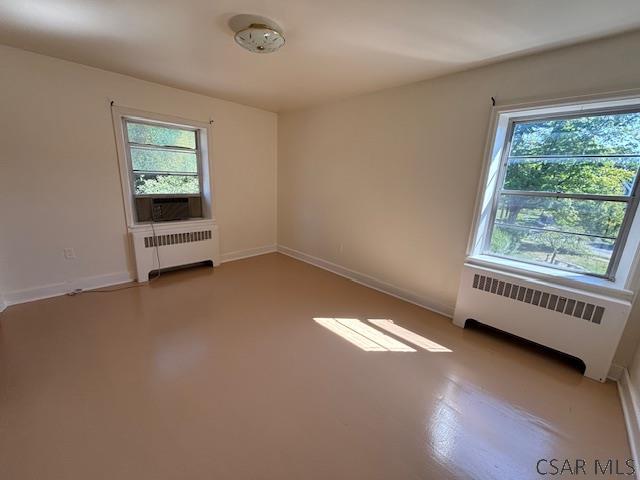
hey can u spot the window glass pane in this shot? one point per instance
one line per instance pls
(146, 184)
(591, 217)
(610, 134)
(560, 250)
(161, 136)
(599, 175)
(163, 161)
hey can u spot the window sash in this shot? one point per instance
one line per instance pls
(151, 147)
(631, 200)
(151, 123)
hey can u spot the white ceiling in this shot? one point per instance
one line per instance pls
(335, 48)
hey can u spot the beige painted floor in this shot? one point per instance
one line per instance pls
(225, 375)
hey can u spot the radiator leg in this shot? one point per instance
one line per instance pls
(143, 275)
(460, 320)
(598, 374)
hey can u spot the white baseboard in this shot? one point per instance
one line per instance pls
(631, 410)
(3, 303)
(99, 281)
(369, 281)
(250, 252)
(615, 372)
(57, 289)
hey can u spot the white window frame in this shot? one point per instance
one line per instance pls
(623, 280)
(203, 134)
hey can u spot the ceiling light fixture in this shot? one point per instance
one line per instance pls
(260, 38)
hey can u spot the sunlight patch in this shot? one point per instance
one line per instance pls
(355, 338)
(377, 336)
(408, 335)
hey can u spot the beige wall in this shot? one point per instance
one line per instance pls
(59, 181)
(385, 184)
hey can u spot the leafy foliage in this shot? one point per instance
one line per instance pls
(505, 242)
(593, 135)
(601, 176)
(160, 136)
(164, 184)
(163, 161)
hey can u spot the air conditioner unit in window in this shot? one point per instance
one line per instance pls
(168, 208)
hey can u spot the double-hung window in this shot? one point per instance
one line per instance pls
(164, 159)
(565, 190)
(167, 177)
(165, 167)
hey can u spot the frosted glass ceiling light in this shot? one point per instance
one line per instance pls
(259, 38)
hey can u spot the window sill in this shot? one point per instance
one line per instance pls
(552, 276)
(160, 226)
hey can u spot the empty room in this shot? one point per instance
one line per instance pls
(290, 240)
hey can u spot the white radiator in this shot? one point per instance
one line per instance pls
(579, 323)
(174, 244)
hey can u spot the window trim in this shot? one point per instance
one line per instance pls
(499, 135)
(205, 165)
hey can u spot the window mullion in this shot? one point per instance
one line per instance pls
(576, 196)
(162, 148)
(551, 230)
(577, 155)
(172, 172)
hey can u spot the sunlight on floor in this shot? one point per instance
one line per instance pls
(345, 332)
(408, 335)
(377, 336)
(372, 340)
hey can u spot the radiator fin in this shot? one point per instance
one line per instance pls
(176, 238)
(541, 299)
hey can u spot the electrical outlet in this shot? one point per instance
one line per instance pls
(69, 253)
